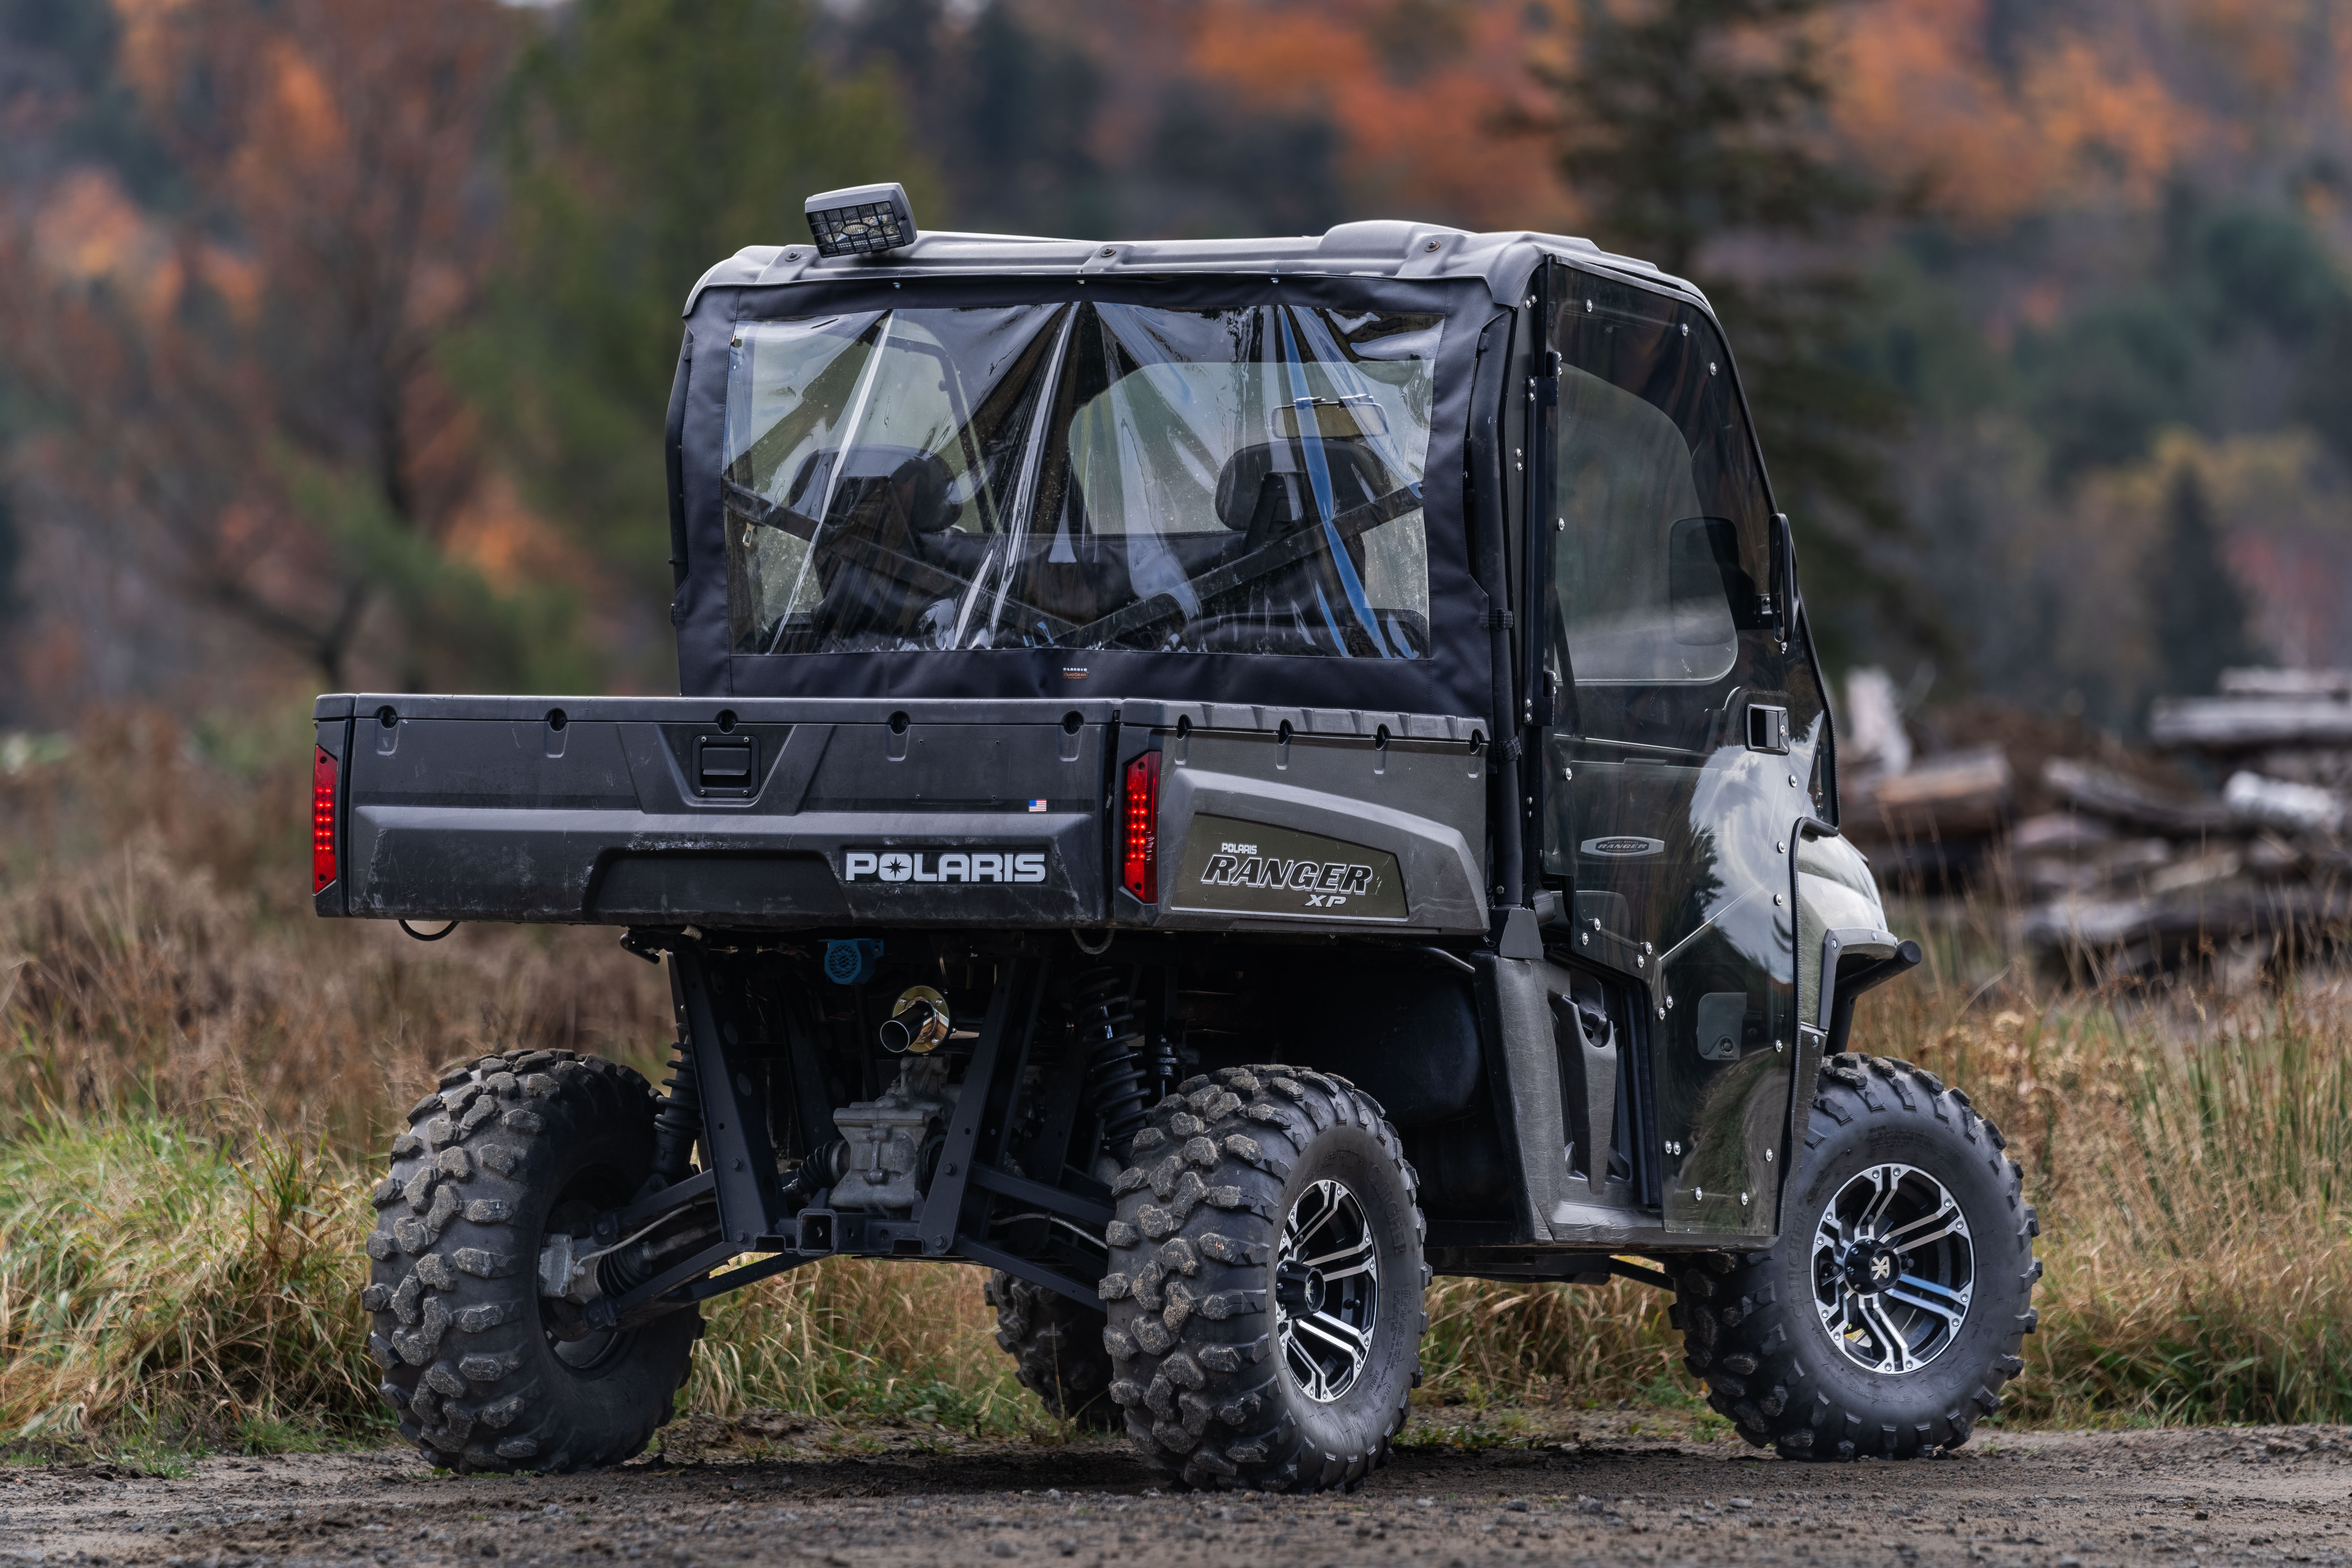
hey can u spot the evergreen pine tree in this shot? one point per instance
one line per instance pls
(2198, 608)
(1690, 129)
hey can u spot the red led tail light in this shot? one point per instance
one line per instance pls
(322, 822)
(1138, 861)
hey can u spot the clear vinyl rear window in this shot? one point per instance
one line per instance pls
(1080, 475)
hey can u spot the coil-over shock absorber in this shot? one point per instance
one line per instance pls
(1118, 1077)
(678, 1122)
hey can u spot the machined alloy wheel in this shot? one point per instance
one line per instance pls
(1894, 1268)
(1894, 1305)
(1266, 1283)
(1326, 1291)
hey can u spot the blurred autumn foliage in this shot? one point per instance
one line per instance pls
(335, 338)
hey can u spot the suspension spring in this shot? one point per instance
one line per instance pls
(678, 1122)
(1116, 1073)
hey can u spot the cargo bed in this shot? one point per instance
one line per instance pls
(802, 813)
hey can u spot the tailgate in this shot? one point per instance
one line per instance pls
(671, 811)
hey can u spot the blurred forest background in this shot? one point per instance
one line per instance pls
(335, 338)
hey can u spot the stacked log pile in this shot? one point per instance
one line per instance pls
(2125, 860)
(2121, 872)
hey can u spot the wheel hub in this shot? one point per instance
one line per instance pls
(1326, 1291)
(1297, 1286)
(1894, 1268)
(1870, 1268)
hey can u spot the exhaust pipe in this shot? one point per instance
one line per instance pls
(918, 1023)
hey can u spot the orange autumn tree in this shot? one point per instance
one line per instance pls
(1415, 88)
(249, 387)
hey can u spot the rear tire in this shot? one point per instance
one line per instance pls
(1835, 1345)
(1237, 1363)
(1057, 1346)
(484, 1375)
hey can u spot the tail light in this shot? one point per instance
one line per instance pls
(1138, 861)
(322, 822)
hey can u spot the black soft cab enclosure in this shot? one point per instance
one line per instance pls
(942, 541)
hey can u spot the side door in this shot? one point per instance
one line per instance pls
(1678, 758)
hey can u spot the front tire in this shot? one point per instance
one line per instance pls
(1057, 1346)
(484, 1373)
(1892, 1309)
(1266, 1283)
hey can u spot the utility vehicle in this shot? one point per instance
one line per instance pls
(1217, 780)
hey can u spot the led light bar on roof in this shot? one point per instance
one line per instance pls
(861, 220)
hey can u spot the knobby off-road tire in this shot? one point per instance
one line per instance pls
(1057, 1346)
(1884, 1134)
(1213, 1392)
(512, 1148)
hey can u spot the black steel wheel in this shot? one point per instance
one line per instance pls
(1057, 1346)
(487, 1372)
(1895, 1305)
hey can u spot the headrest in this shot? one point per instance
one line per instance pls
(1358, 475)
(877, 483)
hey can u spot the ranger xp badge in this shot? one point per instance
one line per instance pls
(1250, 867)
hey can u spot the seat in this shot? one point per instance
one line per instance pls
(887, 504)
(1266, 494)
(1265, 490)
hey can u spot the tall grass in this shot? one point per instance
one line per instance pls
(157, 949)
(2189, 1164)
(195, 1077)
(152, 1283)
(161, 1287)
(847, 1338)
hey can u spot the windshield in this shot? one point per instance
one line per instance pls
(1080, 475)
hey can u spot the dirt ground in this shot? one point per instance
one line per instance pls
(1602, 1489)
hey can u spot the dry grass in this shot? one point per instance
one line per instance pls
(166, 1271)
(2189, 1164)
(155, 1285)
(157, 949)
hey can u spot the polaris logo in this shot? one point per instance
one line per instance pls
(1624, 846)
(1328, 884)
(942, 866)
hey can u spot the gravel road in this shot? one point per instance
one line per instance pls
(1621, 1491)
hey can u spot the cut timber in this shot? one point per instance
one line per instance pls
(2282, 804)
(2213, 913)
(2328, 766)
(2246, 724)
(1962, 795)
(2334, 683)
(2110, 795)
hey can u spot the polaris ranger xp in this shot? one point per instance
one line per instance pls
(1217, 780)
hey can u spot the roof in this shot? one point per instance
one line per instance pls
(1381, 249)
